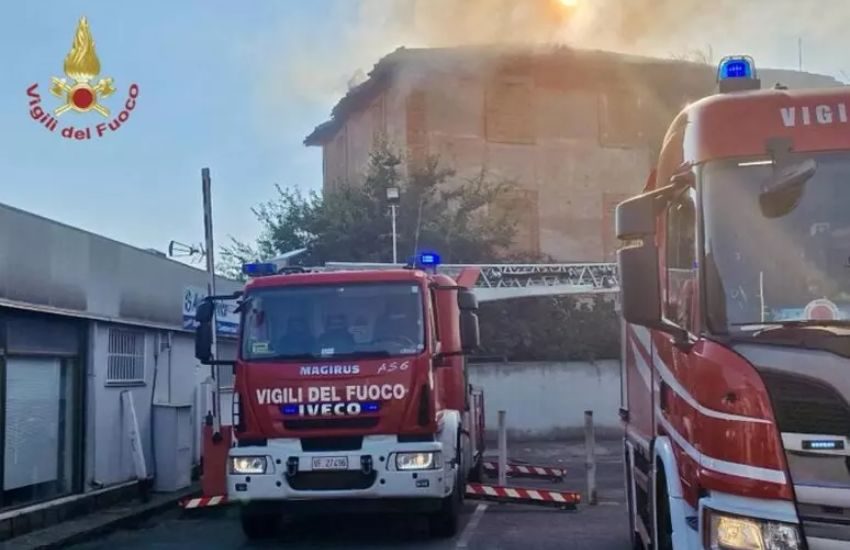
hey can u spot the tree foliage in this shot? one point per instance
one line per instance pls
(352, 222)
(549, 328)
(437, 212)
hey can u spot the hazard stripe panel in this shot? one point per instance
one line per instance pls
(525, 495)
(525, 470)
(473, 490)
(203, 502)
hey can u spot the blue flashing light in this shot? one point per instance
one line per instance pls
(429, 259)
(289, 409)
(259, 269)
(735, 67)
(370, 407)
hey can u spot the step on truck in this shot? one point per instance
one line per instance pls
(735, 298)
(350, 395)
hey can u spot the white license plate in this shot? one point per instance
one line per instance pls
(330, 463)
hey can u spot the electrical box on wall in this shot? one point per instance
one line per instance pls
(172, 426)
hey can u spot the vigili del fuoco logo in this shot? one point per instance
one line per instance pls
(81, 94)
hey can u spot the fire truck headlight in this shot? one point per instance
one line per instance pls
(417, 461)
(728, 532)
(248, 465)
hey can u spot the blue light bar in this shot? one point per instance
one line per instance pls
(371, 406)
(289, 409)
(735, 67)
(429, 259)
(259, 269)
(824, 445)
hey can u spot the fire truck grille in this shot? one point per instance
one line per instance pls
(332, 481)
(805, 405)
(345, 443)
(363, 423)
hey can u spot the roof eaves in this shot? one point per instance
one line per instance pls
(377, 79)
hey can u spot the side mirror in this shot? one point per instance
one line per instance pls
(638, 264)
(466, 300)
(640, 284)
(204, 311)
(203, 341)
(470, 336)
(640, 280)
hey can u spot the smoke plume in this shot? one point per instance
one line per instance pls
(772, 31)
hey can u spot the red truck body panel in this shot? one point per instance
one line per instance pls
(714, 400)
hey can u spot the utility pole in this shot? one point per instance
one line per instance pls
(393, 196)
(208, 238)
(800, 52)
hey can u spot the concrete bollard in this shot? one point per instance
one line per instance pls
(503, 450)
(590, 460)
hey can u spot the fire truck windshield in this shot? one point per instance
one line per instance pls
(333, 321)
(777, 241)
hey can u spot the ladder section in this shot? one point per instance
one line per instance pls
(571, 278)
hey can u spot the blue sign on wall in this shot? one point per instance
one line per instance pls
(227, 320)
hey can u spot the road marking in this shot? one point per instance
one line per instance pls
(470, 527)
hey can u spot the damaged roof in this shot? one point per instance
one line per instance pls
(475, 59)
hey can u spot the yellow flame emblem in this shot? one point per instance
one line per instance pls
(82, 65)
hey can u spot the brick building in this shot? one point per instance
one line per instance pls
(577, 129)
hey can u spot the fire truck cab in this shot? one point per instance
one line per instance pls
(350, 395)
(735, 298)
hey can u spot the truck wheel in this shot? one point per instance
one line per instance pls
(662, 515)
(258, 523)
(476, 474)
(444, 524)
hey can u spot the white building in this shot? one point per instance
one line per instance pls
(83, 321)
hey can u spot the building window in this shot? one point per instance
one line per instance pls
(126, 359)
(520, 206)
(509, 111)
(621, 121)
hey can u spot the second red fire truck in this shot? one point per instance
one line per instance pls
(735, 285)
(350, 395)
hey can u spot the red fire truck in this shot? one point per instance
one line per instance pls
(735, 296)
(350, 395)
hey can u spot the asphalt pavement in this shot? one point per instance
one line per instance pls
(485, 525)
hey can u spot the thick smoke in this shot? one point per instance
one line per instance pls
(330, 58)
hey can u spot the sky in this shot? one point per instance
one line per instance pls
(236, 86)
(200, 68)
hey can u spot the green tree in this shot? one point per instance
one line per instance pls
(352, 222)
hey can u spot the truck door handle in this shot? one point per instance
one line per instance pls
(663, 396)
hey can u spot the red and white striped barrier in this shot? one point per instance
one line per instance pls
(203, 502)
(565, 499)
(520, 470)
(561, 499)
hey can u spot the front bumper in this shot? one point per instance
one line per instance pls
(381, 481)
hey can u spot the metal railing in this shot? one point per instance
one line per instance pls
(591, 277)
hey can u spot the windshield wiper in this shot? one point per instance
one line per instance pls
(286, 357)
(357, 354)
(769, 325)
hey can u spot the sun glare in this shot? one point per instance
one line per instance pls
(569, 3)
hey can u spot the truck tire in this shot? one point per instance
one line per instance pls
(257, 523)
(662, 514)
(445, 523)
(476, 474)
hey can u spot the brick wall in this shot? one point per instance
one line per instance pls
(574, 145)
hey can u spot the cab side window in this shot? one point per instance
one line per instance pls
(433, 321)
(681, 260)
